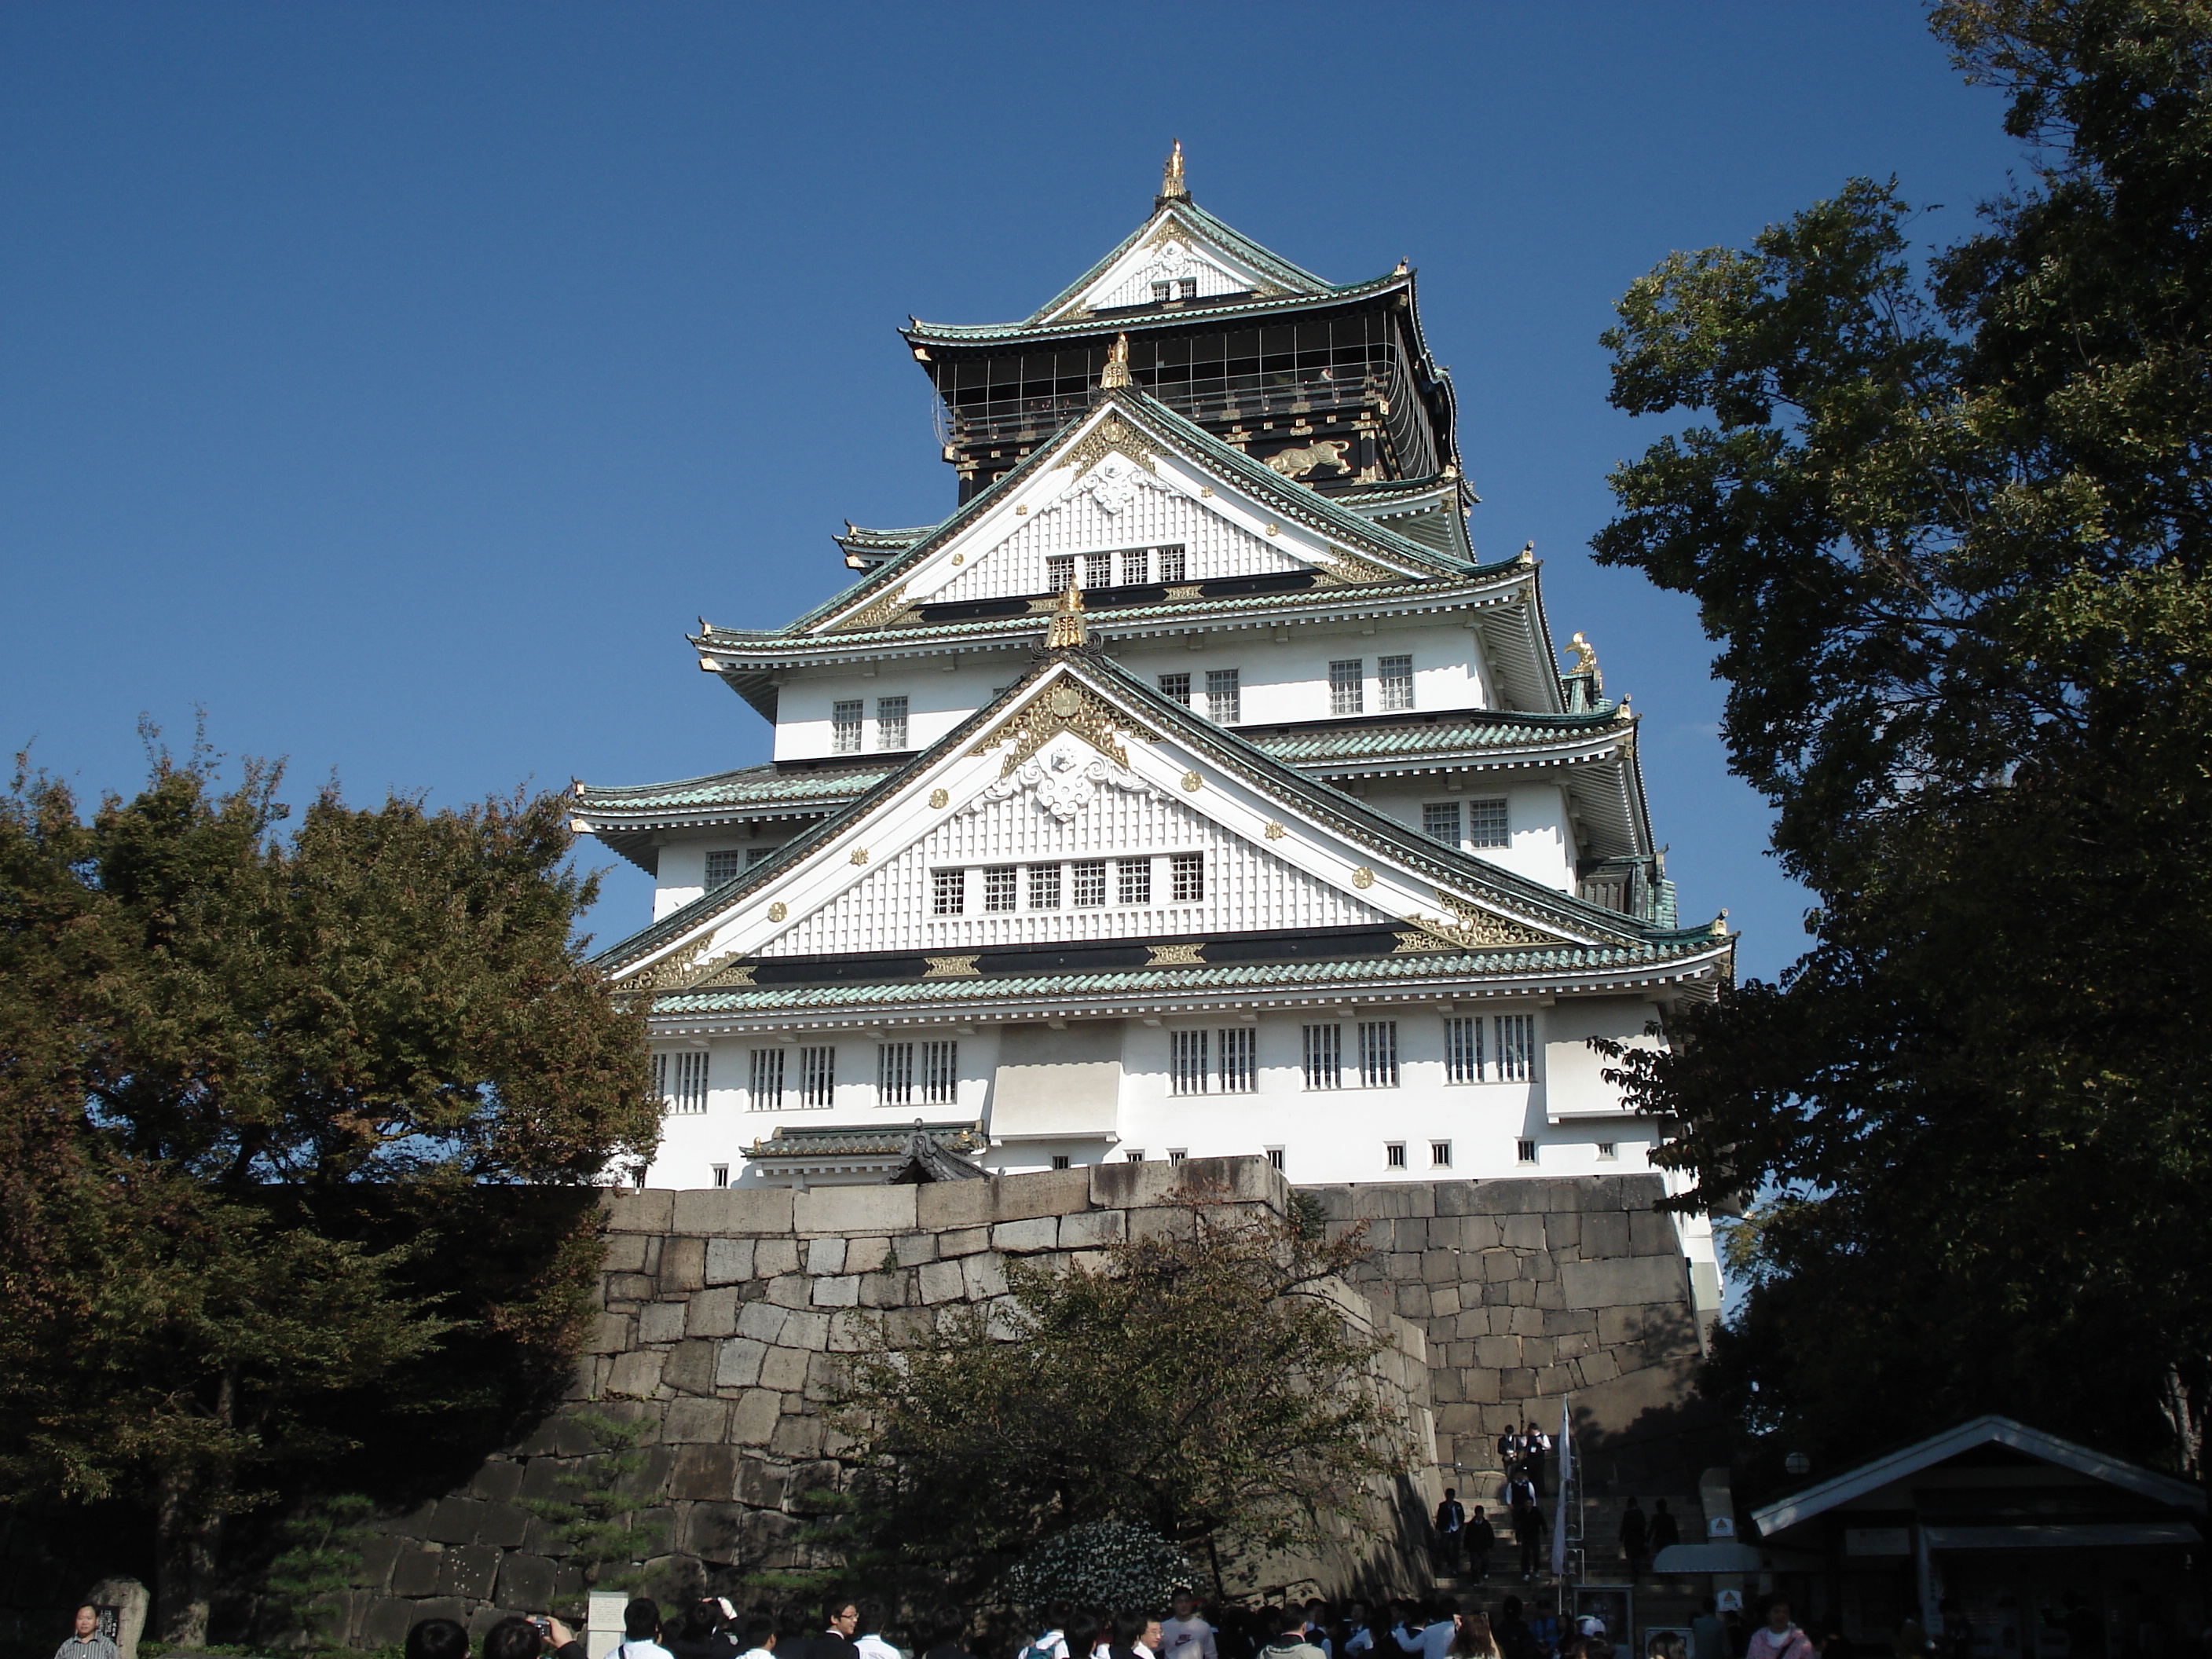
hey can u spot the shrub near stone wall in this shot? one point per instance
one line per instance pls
(723, 1314)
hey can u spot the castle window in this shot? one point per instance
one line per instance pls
(1172, 563)
(894, 1074)
(760, 856)
(1060, 1160)
(1487, 825)
(1324, 1066)
(1526, 1150)
(1136, 566)
(1136, 881)
(845, 727)
(1440, 822)
(1378, 1053)
(1176, 1154)
(1224, 701)
(1240, 1068)
(949, 892)
(1275, 1156)
(1161, 291)
(1060, 572)
(1099, 570)
(891, 723)
(1516, 1047)
(1394, 1154)
(682, 1087)
(767, 1080)
(1186, 288)
(1608, 1150)
(817, 1077)
(1347, 686)
(1133, 1157)
(940, 1074)
(1177, 686)
(719, 1173)
(1089, 882)
(1187, 878)
(724, 867)
(1393, 683)
(1188, 1073)
(1463, 1051)
(1440, 1155)
(1000, 886)
(1044, 887)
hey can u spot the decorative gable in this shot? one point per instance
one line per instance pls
(1172, 259)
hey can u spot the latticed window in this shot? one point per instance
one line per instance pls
(1187, 878)
(1225, 702)
(768, 1080)
(845, 727)
(1089, 877)
(724, 866)
(1135, 886)
(1440, 822)
(1347, 686)
(760, 856)
(1516, 1047)
(894, 1073)
(1378, 1053)
(1171, 564)
(1044, 887)
(1099, 570)
(1060, 572)
(682, 1086)
(1189, 1072)
(1324, 1056)
(891, 723)
(1136, 566)
(817, 1077)
(1463, 1051)
(948, 892)
(940, 1074)
(1000, 886)
(1177, 686)
(1393, 683)
(1240, 1060)
(1487, 825)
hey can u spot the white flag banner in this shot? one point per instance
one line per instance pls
(1559, 1488)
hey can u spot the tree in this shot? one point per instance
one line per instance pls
(256, 1093)
(1948, 520)
(1205, 1384)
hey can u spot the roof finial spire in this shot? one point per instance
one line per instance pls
(1117, 372)
(1068, 628)
(1172, 188)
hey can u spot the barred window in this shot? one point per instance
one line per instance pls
(1136, 566)
(948, 892)
(1275, 1156)
(940, 1074)
(1486, 825)
(1393, 683)
(845, 727)
(891, 723)
(1171, 564)
(720, 1172)
(1176, 1154)
(1099, 570)
(1378, 1053)
(768, 1080)
(1394, 1154)
(1525, 1151)
(1135, 886)
(1187, 878)
(817, 1077)
(1188, 1070)
(894, 1074)
(1324, 1056)
(724, 866)
(999, 887)
(1462, 1051)
(1608, 1150)
(1060, 572)
(1044, 887)
(1133, 1156)
(1240, 1060)
(1162, 292)
(1516, 1047)
(683, 1086)
(1224, 702)
(1090, 882)
(1186, 288)
(1177, 686)
(1347, 686)
(1440, 822)
(1440, 1155)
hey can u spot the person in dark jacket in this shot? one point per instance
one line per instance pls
(1452, 1529)
(1635, 1538)
(840, 1614)
(1481, 1538)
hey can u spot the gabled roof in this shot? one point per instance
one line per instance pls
(1542, 913)
(865, 550)
(1988, 1431)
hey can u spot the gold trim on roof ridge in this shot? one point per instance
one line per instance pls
(1111, 436)
(1069, 706)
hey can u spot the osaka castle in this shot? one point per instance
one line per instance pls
(1197, 788)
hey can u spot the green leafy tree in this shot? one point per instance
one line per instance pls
(319, 1558)
(598, 1514)
(256, 1095)
(1947, 517)
(1208, 1384)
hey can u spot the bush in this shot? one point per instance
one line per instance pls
(1106, 1563)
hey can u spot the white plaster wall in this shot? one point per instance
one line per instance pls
(1542, 841)
(940, 693)
(682, 866)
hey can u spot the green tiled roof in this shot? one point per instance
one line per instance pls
(1038, 989)
(1446, 735)
(862, 1140)
(1132, 322)
(748, 786)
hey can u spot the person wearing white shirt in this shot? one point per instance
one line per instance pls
(872, 1645)
(758, 1636)
(1436, 1636)
(641, 1631)
(1187, 1635)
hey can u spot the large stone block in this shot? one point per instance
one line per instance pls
(503, 1525)
(1563, 1232)
(1087, 1230)
(791, 1290)
(625, 1253)
(733, 1211)
(729, 1261)
(848, 1210)
(1021, 1237)
(772, 1256)
(454, 1520)
(706, 1473)
(883, 1289)
(841, 1292)
(1444, 1301)
(1605, 1233)
(498, 1482)
(714, 1533)
(942, 1281)
(1524, 1232)
(825, 1256)
(784, 1371)
(703, 1422)
(754, 1416)
(691, 1367)
(986, 1276)
(1163, 1223)
(867, 1255)
(713, 1313)
(963, 1241)
(944, 1205)
(797, 1438)
(1497, 1353)
(525, 1584)
(637, 1372)
(807, 1329)
(386, 1622)
(912, 1250)
(764, 1322)
(738, 1363)
(1625, 1280)
(415, 1572)
(628, 1212)
(1392, 1202)
(468, 1571)
(660, 1321)
(1043, 1192)
(683, 1264)
(1652, 1234)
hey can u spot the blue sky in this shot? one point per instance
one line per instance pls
(398, 382)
